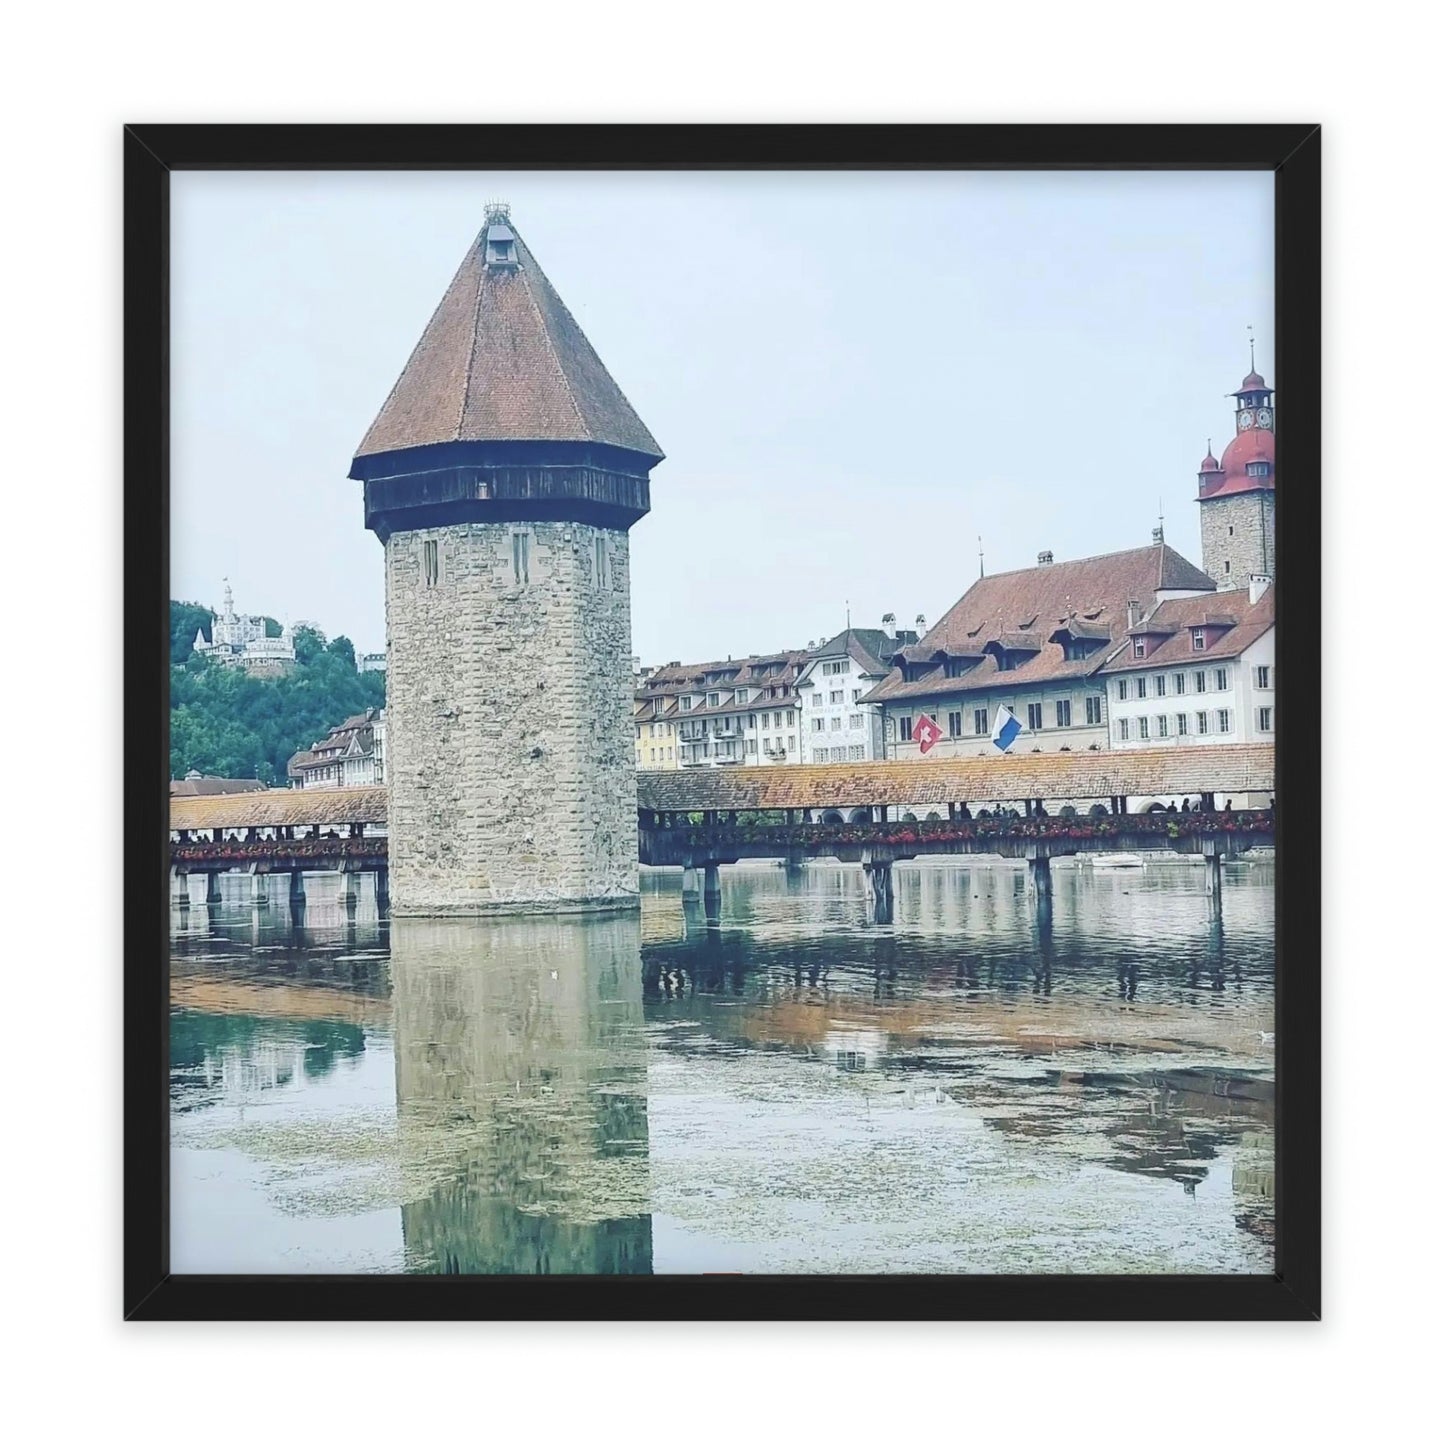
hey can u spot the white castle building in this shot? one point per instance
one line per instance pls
(241, 641)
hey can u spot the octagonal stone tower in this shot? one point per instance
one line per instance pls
(502, 475)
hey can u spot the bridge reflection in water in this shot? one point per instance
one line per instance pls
(521, 1076)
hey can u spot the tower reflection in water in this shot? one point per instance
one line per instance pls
(521, 1078)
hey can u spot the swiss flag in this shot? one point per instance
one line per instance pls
(926, 732)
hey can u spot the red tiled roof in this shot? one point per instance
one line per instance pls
(503, 360)
(1096, 588)
(1245, 625)
(1254, 445)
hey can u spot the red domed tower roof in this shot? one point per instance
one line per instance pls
(1247, 464)
(1209, 464)
(1253, 382)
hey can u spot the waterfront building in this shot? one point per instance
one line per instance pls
(654, 726)
(743, 711)
(501, 476)
(838, 726)
(351, 755)
(1196, 671)
(199, 785)
(1236, 493)
(239, 640)
(1032, 641)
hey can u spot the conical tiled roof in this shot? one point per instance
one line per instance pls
(502, 360)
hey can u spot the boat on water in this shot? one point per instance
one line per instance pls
(1116, 860)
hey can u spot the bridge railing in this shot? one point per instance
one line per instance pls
(280, 850)
(1166, 826)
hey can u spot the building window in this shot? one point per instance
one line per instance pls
(1226, 566)
(855, 754)
(1181, 723)
(1036, 716)
(521, 557)
(1199, 684)
(600, 545)
(429, 563)
(1231, 531)
(1143, 729)
(791, 741)
(1203, 720)
(1063, 713)
(980, 721)
(1221, 679)
(1178, 682)
(855, 721)
(817, 724)
(1159, 685)
(1123, 730)
(1224, 719)
(713, 698)
(857, 693)
(1261, 677)
(1196, 638)
(955, 724)
(1163, 725)
(1093, 710)
(820, 755)
(1123, 689)
(836, 724)
(1266, 719)
(905, 729)
(1141, 687)
(834, 698)
(1139, 648)
(752, 745)
(752, 721)
(687, 704)
(817, 699)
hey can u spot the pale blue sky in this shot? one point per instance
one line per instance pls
(853, 375)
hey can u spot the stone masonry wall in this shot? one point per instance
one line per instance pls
(510, 760)
(1249, 549)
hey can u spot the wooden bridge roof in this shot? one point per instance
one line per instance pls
(281, 808)
(1234, 768)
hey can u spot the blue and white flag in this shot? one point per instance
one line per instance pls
(1006, 727)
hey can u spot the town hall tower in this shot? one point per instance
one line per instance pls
(1236, 493)
(501, 476)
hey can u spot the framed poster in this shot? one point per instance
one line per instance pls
(700, 745)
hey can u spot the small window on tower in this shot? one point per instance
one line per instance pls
(521, 557)
(601, 549)
(429, 563)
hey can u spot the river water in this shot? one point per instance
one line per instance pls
(796, 1089)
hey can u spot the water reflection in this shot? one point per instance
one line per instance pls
(521, 1074)
(783, 1087)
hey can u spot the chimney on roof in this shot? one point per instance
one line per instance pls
(1135, 612)
(1258, 586)
(890, 623)
(1046, 559)
(920, 624)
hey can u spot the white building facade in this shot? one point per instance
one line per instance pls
(838, 726)
(239, 640)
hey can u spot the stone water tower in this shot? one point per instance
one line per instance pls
(501, 476)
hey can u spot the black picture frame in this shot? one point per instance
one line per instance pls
(151, 152)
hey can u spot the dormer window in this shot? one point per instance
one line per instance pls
(1141, 648)
(1196, 638)
(1257, 469)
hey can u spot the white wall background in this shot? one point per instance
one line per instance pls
(77, 1372)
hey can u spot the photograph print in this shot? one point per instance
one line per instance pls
(723, 723)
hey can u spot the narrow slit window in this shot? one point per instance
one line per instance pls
(521, 557)
(429, 563)
(600, 545)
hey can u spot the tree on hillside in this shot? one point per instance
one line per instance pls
(186, 619)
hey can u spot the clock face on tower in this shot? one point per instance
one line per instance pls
(1263, 419)
(1246, 420)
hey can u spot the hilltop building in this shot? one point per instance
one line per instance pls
(238, 640)
(501, 476)
(1236, 493)
(351, 755)
(1033, 642)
